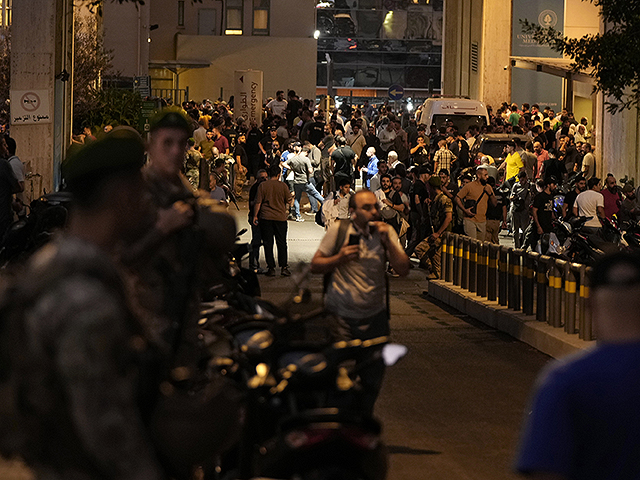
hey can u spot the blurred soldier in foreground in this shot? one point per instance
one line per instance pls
(186, 239)
(183, 252)
(584, 421)
(80, 370)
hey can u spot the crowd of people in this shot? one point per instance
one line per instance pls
(102, 324)
(426, 179)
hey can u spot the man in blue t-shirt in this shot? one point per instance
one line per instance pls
(584, 419)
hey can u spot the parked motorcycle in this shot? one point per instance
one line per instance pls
(302, 391)
(46, 215)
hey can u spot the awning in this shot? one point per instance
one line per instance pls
(179, 66)
(558, 67)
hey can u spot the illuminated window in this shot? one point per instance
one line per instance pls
(261, 17)
(181, 13)
(5, 13)
(233, 16)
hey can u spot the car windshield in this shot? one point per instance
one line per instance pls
(463, 122)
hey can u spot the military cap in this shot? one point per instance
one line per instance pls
(171, 117)
(120, 150)
(435, 181)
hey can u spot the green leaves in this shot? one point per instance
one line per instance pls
(612, 58)
(113, 106)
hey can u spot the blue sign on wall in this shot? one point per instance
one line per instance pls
(529, 86)
(548, 13)
(396, 92)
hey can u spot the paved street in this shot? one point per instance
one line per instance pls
(452, 408)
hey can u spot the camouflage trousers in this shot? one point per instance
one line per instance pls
(428, 251)
(240, 177)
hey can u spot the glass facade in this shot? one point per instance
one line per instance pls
(377, 43)
(5, 13)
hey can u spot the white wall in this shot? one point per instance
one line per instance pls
(126, 29)
(580, 18)
(287, 63)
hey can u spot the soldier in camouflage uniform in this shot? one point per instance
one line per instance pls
(186, 238)
(79, 361)
(428, 251)
(183, 253)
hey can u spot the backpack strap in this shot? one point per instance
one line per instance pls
(342, 235)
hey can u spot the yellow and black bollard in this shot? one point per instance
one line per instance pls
(542, 286)
(464, 281)
(503, 276)
(528, 282)
(556, 269)
(585, 327)
(457, 274)
(571, 282)
(473, 264)
(443, 255)
(514, 279)
(483, 257)
(492, 272)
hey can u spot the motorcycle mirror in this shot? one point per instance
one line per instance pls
(392, 352)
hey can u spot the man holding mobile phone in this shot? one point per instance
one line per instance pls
(354, 254)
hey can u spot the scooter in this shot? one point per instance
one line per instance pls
(302, 389)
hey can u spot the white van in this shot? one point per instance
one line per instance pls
(462, 112)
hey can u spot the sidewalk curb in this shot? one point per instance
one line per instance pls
(541, 336)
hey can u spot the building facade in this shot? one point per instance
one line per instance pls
(371, 45)
(198, 46)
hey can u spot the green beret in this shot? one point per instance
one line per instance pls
(171, 117)
(435, 181)
(120, 150)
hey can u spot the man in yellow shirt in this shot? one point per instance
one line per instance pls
(513, 162)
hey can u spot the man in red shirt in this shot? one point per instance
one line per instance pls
(220, 141)
(612, 197)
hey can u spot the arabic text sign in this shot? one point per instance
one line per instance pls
(248, 95)
(30, 107)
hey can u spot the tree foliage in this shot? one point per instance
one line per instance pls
(114, 106)
(5, 73)
(91, 62)
(612, 58)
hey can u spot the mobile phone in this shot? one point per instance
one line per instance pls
(354, 239)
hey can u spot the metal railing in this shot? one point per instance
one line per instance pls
(178, 95)
(554, 290)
